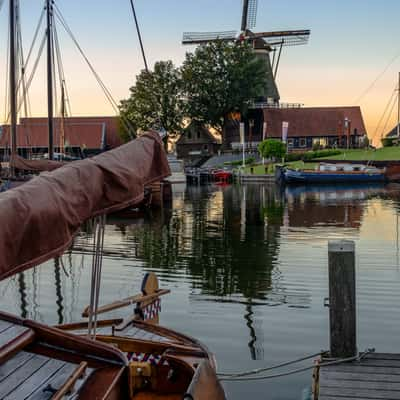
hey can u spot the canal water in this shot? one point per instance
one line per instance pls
(247, 270)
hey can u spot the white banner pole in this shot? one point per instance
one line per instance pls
(242, 141)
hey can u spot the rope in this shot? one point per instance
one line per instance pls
(358, 99)
(384, 112)
(127, 124)
(234, 378)
(97, 261)
(257, 371)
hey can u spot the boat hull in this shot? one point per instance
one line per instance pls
(301, 177)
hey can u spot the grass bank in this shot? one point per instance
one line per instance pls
(382, 154)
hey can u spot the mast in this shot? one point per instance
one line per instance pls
(13, 83)
(244, 15)
(49, 31)
(139, 36)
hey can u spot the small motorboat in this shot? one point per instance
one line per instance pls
(333, 173)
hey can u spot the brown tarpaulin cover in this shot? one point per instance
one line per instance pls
(34, 165)
(39, 218)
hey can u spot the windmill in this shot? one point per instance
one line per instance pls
(263, 44)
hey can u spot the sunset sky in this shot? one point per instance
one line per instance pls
(352, 42)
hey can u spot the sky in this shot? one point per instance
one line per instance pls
(352, 43)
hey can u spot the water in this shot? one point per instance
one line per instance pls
(247, 269)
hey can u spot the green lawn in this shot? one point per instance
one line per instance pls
(260, 169)
(382, 154)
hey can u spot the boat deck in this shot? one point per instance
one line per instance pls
(132, 332)
(30, 376)
(377, 376)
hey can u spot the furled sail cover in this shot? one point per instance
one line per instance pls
(34, 165)
(39, 218)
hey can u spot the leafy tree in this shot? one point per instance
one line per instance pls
(220, 78)
(272, 148)
(155, 101)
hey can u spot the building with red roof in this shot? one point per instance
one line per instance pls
(82, 135)
(308, 128)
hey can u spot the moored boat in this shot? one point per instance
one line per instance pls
(334, 173)
(132, 359)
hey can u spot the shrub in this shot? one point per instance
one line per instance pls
(388, 142)
(272, 148)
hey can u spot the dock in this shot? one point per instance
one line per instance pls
(347, 374)
(376, 376)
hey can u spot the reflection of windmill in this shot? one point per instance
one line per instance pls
(263, 44)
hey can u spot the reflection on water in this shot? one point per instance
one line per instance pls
(247, 269)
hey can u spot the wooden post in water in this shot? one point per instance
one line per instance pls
(342, 298)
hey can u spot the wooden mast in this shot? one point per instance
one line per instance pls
(13, 83)
(49, 30)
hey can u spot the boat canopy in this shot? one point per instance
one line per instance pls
(34, 165)
(40, 218)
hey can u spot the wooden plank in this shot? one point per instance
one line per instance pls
(356, 393)
(369, 377)
(14, 363)
(11, 333)
(139, 298)
(383, 356)
(355, 384)
(22, 373)
(345, 398)
(69, 385)
(55, 382)
(4, 325)
(375, 363)
(362, 369)
(37, 379)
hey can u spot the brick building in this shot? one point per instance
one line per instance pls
(308, 127)
(83, 135)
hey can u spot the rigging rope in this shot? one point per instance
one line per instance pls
(358, 99)
(295, 371)
(107, 93)
(61, 73)
(388, 117)
(97, 261)
(384, 113)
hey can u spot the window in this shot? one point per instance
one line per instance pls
(189, 134)
(290, 143)
(198, 134)
(303, 142)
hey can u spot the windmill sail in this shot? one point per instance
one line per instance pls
(252, 14)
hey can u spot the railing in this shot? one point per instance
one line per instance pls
(275, 105)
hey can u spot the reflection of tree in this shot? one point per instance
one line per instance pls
(205, 237)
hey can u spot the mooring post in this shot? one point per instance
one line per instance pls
(342, 298)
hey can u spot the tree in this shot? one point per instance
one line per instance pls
(155, 101)
(272, 148)
(220, 78)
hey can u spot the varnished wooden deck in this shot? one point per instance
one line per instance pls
(377, 376)
(131, 332)
(31, 376)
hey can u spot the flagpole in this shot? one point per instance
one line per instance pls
(243, 143)
(264, 136)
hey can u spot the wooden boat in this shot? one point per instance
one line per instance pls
(51, 208)
(161, 361)
(38, 362)
(334, 173)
